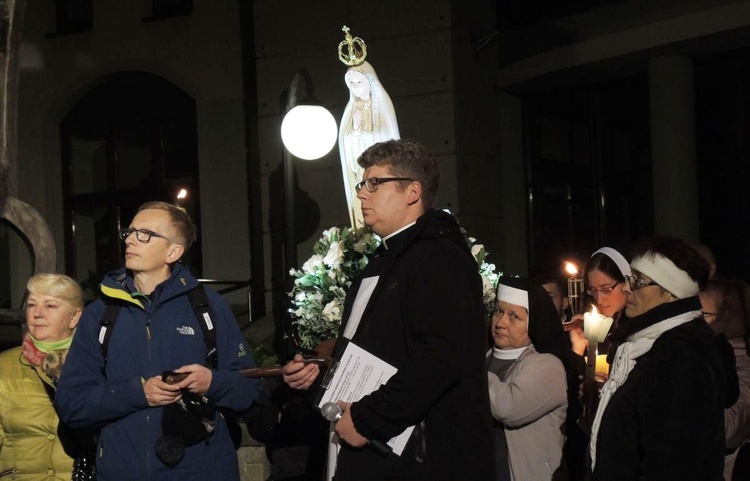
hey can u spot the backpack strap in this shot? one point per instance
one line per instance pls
(107, 324)
(204, 314)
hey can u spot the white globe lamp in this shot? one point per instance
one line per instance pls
(309, 131)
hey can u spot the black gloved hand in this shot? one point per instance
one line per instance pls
(184, 423)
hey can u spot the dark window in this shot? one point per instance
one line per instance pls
(722, 113)
(589, 158)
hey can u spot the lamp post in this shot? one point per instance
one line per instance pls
(308, 132)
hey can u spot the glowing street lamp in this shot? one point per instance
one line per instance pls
(309, 132)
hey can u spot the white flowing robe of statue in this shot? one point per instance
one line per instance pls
(368, 118)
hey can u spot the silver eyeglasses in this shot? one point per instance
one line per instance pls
(143, 235)
(372, 183)
(638, 283)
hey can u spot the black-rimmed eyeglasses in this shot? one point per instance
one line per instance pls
(372, 183)
(143, 235)
(638, 283)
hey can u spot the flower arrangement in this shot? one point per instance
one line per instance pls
(487, 271)
(321, 284)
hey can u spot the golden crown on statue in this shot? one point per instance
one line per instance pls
(352, 50)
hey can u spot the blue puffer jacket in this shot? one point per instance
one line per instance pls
(150, 337)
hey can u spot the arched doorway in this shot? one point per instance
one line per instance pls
(132, 138)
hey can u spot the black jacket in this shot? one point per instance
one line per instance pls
(667, 420)
(426, 317)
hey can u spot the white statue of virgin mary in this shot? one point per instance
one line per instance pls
(368, 118)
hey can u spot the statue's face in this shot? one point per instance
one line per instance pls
(358, 84)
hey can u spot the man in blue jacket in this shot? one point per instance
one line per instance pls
(156, 330)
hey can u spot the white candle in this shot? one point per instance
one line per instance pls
(596, 326)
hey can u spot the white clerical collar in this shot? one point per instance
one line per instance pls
(397, 232)
(508, 354)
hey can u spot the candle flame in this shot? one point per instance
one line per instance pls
(182, 194)
(593, 310)
(571, 268)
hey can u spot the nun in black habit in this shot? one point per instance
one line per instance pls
(531, 383)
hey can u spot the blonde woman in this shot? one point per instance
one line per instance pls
(29, 441)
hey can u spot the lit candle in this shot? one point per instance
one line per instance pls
(180, 197)
(575, 288)
(596, 326)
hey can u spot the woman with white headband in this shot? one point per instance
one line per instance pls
(604, 274)
(531, 381)
(661, 412)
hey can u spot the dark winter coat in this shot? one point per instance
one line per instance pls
(426, 317)
(667, 420)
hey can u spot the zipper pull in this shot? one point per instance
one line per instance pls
(148, 331)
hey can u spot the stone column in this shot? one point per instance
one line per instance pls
(673, 154)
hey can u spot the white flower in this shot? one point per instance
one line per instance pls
(335, 255)
(312, 264)
(332, 311)
(487, 284)
(332, 233)
(320, 288)
(476, 249)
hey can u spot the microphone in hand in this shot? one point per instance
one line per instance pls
(333, 412)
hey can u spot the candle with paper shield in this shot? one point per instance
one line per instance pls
(575, 288)
(596, 326)
(595, 329)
